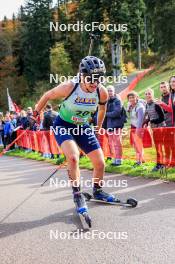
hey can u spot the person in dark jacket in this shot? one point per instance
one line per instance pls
(165, 96)
(49, 117)
(154, 116)
(31, 121)
(114, 124)
(48, 121)
(22, 120)
(170, 108)
(168, 132)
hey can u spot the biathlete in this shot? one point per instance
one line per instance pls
(79, 100)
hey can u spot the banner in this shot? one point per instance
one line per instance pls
(158, 144)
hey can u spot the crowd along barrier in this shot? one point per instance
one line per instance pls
(158, 143)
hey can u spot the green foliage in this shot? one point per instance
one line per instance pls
(40, 88)
(167, 65)
(26, 102)
(60, 61)
(29, 52)
(36, 41)
(148, 58)
(161, 23)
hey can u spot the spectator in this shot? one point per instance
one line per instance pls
(169, 138)
(49, 117)
(136, 109)
(22, 120)
(165, 91)
(1, 129)
(14, 126)
(31, 121)
(8, 129)
(172, 100)
(154, 116)
(48, 120)
(170, 107)
(114, 123)
(41, 117)
(168, 134)
(31, 124)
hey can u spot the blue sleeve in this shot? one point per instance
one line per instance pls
(6, 129)
(117, 111)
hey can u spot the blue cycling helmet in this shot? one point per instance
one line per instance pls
(92, 64)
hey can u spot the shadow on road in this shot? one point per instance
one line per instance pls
(67, 217)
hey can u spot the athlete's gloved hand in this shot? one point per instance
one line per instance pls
(35, 113)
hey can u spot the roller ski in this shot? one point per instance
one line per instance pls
(100, 196)
(82, 209)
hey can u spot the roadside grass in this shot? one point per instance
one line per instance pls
(34, 156)
(126, 168)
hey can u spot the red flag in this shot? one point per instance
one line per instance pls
(12, 106)
(17, 108)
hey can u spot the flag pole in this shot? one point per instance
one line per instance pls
(8, 99)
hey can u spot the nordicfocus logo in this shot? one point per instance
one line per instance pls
(89, 131)
(110, 183)
(56, 79)
(80, 26)
(90, 235)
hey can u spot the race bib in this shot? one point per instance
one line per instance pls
(77, 119)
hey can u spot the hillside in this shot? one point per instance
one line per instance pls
(161, 73)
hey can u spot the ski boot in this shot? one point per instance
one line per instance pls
(99, 194)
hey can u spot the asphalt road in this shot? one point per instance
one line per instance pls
(32, 220)
(119, 87)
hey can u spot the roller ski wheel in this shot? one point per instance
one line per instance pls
(130, 202)
(87, 219)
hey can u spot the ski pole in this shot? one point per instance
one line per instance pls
(8, 147)
(51, 175)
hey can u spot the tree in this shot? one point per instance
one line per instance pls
(136, 25)
(60, 61)
(164, 21)
(36, 41)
